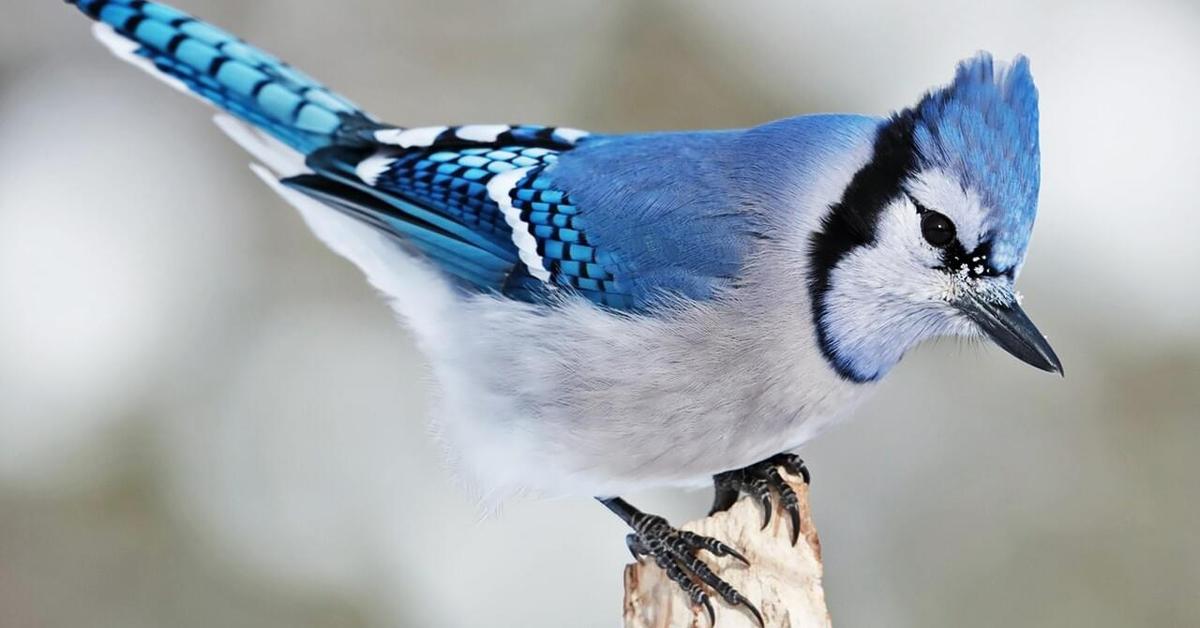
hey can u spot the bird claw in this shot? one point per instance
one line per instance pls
(677, 553)
(759, 481)
(713, 546)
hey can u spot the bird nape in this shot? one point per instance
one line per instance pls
(610, 312)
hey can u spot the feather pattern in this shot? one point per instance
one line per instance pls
(466, 135)
(661, 210)
(226, 71)
(619, 248)
(984, 129)
(552, 234)
(428, 186)
(605, 313)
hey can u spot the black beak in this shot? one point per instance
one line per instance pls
(1008, 326)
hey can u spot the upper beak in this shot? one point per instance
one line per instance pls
(1008, 326)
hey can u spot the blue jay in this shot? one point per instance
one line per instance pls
(606, 313)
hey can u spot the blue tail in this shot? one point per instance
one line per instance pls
(229, 73)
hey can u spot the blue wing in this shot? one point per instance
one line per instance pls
(527, 211)
(624, 220)
(649, 216)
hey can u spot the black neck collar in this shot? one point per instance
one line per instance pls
(852, 222)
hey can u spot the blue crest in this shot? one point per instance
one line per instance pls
(984, 128)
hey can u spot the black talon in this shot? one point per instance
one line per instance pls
(690, 587)
(712, 614)
(788, 500)
(724, 589)
(757, 615)
(758, 481)
(677, 553)
(713, 546)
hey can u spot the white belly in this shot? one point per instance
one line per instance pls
(584, 402)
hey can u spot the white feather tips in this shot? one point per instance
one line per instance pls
(372, 167)
(569, 135)
(422, 137)
(498, 189)
(485, 133)
(409, 138)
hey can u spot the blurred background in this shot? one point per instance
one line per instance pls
(207, 419)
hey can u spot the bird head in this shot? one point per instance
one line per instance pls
(930, 235)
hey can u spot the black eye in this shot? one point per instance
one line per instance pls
(937, 229)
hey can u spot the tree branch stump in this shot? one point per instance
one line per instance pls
(783, 581)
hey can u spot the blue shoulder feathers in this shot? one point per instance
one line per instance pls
(659, 205)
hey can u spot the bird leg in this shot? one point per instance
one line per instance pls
(677, 553)
(758, 481)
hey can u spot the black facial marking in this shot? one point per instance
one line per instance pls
(974, 263)
(852, 222)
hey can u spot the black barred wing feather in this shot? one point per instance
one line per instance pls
(551, 233)
(438, 189)
(455, 180)
(617, 220)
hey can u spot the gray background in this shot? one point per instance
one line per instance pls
(206, 419)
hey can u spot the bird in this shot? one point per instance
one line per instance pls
(605, 313)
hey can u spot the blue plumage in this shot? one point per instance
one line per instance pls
(633, 221)
(565, 242)
(596, 211)
(751, 283)
(641, 241)
(455, 181)
(215, 65)
(984, 128)
(661, 205)
(463, 251)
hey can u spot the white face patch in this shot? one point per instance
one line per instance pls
(901, 265)
(940, 192)
(885, 298)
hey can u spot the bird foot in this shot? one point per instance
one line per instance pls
(677, 553)
(759, 481)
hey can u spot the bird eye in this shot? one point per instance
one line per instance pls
(937, 229)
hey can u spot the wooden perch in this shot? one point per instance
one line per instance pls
(783, 581)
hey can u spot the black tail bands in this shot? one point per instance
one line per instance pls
(216, 66)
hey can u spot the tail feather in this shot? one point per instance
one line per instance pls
(217, 67)
(454, 256)
(280, 159)
(316, 146)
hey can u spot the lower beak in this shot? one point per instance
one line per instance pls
(1008, 326)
